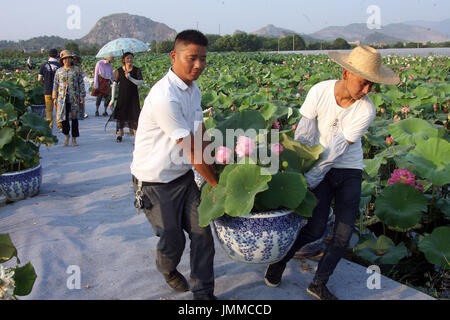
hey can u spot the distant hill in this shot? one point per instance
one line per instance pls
(271, 31)
(35, 44)
(124, 25)
(359, 31)
(380, 38)
(442, 27)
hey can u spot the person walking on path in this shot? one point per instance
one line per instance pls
(336, 113)
(163, 180)
(103, 78)
(127, 110)
(68, 96)
(47, 75)
(77, 63)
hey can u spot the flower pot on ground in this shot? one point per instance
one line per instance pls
(21, 134)
(22, 184)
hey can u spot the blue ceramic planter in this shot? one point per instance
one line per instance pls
(258, 238)
(21, 184)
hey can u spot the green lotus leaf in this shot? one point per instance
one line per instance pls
(308, 155)
(268, 110)
(286, 189)
(431, 160)
(7, 248)
(243, 183)
(373, 165)
(413, 130)
(380, 251)
(212, 205)
(400, 206)
(6, 135)
(24, 278)
(444, 205)
(36, 123)
(436, 247)
(307, 206)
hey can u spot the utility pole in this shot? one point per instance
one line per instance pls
(293, 42)
(278, 44)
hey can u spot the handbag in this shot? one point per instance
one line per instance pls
(104, 87)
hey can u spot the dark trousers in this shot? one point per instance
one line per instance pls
(171, 210)
(344, 185)
(106, 101)
(66, 124)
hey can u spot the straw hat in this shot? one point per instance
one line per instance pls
(65, 54)
(365, 61)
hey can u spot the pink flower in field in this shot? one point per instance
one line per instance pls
(284, 62)
(276, 125)
(210, 112)
(294, 127)
(411, 77)
(267, 90)
(223, 155)
(251, 69)
(397, 118)
(307, 76)
(245, 146)
(297, 95)
(406, 109)
(403, 176)
(383, 110)
(277, 148)
(389, 140)
(233, 108)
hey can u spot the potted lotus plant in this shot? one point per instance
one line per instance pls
(21, 135)
(257, 207)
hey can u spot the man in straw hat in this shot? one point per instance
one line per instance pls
(336, 113)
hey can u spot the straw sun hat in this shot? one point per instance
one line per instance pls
(65, 54)
(365, 61)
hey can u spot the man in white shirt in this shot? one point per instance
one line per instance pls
(336, 113)
(162, 162)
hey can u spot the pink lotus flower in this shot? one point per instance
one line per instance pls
(223, 155)
(251, 69)
(411, 77)
(294, 127)
(435, 107)
(383, 110)
(267, 90)
(233, 108)
(297, 95)
(276, 125)
(245, 146)
(210, 112)
(403, 176)
(406, 109)
(397, 118)
(389, 140)
(277, 148)
(307, 76)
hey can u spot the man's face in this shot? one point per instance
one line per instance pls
(357, 87)
(189, 61)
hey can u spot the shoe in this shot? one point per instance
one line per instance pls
(119, 139)
(97, 114)
(320, 291)
(204, 296)
(176, 281)
(105, 114)
(85, 115)
(273, 275)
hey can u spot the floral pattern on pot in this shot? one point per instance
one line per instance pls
(258, 238)
(21, 184)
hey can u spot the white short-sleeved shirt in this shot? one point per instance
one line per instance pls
(172, 110)
(353, 121)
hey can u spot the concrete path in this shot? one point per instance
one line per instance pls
(83, 220)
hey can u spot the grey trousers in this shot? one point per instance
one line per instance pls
(171, 209)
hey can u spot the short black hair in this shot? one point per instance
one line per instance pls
(192, 36)
(53, 53)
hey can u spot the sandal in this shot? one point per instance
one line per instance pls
(119, 139)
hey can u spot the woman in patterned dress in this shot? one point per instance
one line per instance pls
(68, 96)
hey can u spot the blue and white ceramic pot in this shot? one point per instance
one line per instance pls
(19, 185)
(258, 238)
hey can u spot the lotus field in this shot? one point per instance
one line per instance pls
(405, 213)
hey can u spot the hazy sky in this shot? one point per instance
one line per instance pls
(24, 19)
